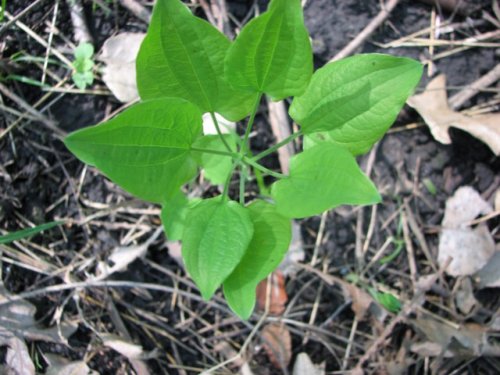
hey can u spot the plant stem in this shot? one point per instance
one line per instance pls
(219, 132)
(231, 154)
(262, 168)
(243, 179)
(225, 193)
(277, 146)
(263, 190)
(245, 147)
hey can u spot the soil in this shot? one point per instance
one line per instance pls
(41, 181)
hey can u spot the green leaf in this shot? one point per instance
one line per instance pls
(183, 56)
(321, 178)
(146, 149)
(387, 300)
(84, 51)
(272, 54)
(270, 242)
(355, 100)
(215, 238)
(217, 167)
(82, 80)
(25, 233)
(173, 215)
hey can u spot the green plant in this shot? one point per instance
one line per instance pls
(186, 67)
(83, 74)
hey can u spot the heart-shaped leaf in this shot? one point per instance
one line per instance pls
(355, 100)
(216, 235)
(270, 241)
(146, 149)
(272, 54)
(183, 56)
(321, 178)
(173, 215)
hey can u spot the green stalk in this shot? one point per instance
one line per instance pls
(225, 193)
(219, 132)
(277, 146)
(245, 147)
(262, 168)
(243, 179)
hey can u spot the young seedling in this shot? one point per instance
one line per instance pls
(185, 68)
(83, 74)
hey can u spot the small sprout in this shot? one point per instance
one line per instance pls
(83, 65)
(429, 185)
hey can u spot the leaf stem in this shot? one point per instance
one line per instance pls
(262, 168)
(245, 147)
(243, 178)
(277, 146)
(225, 193)
(219, 132)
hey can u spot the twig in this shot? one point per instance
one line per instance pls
(51, 36)
(33, 112)
(457, 100)
(280, 126)
(137, 9)
(80, 30)
(367, 31)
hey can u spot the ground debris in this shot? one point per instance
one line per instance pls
(433, 106)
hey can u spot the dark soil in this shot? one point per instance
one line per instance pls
(40, 181)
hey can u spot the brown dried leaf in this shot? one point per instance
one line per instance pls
(433, 106)
(17, 358)
(122, 346)
(119, 53)
(469, 340)
(303, 365)
(278, 296)
(470, 249)
(464, 298)
(361, 300)
(489, 275)
(277, 342)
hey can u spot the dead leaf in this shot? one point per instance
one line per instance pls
(121, 257)
(278, 296)
(122, 346)
(119, 54)
(361, 300)
(61, 366)
(295, 253)
(470, 340)
(470, 249)
(464, 297)
(18, 318)
(225, 125)
(497, 200)
(303, 365)
(277, 342)
(433, 106)
(463, 207)
(18, 357)
(489, 275)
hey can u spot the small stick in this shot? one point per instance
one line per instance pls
(137, 9)
(280, 126)
(21, 103)
(80, 30)
(367, 31)
(49, 47)
(459, 99)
